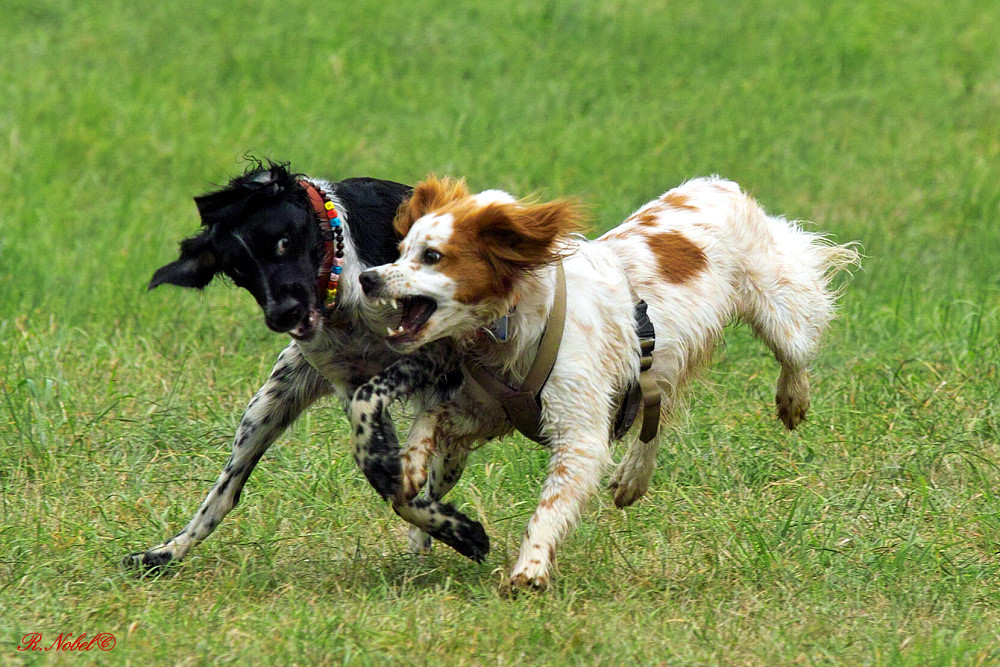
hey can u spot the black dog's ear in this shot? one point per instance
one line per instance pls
(220, 206)
(195, 268)
(227, 205)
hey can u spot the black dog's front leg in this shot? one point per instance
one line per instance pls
(373, 435)
(292, 386)
(377, 452)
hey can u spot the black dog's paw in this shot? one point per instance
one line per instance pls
(147, 562)
(471, 541)
(446, 524)
(464, 535)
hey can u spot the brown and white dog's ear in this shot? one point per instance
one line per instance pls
(195, 268)
(428, 195)
(526, 236)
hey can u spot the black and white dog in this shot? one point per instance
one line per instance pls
(270, 232)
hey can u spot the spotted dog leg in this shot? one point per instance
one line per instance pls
(434, 430)
(447, 463)
(373, 435)
(421, 445)
(378, 454)
(292, 386)
(452, 435)
(445, 523)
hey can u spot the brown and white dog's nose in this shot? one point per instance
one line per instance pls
(370, 281)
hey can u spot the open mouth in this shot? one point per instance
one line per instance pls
(415, 311)
(307, 328)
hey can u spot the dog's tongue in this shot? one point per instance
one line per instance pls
(416, 314)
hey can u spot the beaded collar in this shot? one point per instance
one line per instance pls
(332, 227)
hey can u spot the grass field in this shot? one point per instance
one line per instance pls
(872, 535)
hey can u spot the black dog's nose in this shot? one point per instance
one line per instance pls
(370, 282)
(284, 315)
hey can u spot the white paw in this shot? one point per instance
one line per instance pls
(522, 583)
(420, 542)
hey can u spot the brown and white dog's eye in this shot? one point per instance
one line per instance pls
(282, 246)
(431, 256)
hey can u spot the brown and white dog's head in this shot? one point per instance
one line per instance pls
(463, 258)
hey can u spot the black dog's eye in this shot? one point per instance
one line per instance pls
(431, 256)
(282, 246)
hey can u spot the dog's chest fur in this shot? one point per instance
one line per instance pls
(347, 354)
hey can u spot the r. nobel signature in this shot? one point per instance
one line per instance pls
(65, 642)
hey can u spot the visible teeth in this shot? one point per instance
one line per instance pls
(394, 304)
(399, 329)
(388, 331)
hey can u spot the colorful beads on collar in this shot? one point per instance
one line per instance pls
(336, 228)
(332, 228)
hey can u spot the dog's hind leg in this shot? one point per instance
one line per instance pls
(630, 480)
(786, 297)
(292, 386)
(793, 334)
(789, 307)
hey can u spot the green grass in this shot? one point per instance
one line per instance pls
(869, 536)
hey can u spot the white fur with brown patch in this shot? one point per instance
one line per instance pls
(701, 256)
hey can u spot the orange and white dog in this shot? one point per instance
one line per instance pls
(701, 256)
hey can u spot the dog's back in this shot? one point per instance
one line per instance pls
(705, 254)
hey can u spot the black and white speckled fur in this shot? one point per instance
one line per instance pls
(437, 434)
(338, 359)
(375, 444)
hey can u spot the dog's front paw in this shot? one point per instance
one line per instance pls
(447, 524)
(522, 583)
(464, 535)
(471, 540)
(152, 561)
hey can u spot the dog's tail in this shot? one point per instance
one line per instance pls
(787, 296)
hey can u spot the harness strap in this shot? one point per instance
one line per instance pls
(545, 358)
(650, 404)
(523, 405)
(642, 392)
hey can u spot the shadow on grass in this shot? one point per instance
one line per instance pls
(356, 574)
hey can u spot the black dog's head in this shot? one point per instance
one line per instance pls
(262, 232)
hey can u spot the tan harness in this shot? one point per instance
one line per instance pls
(523, 405)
